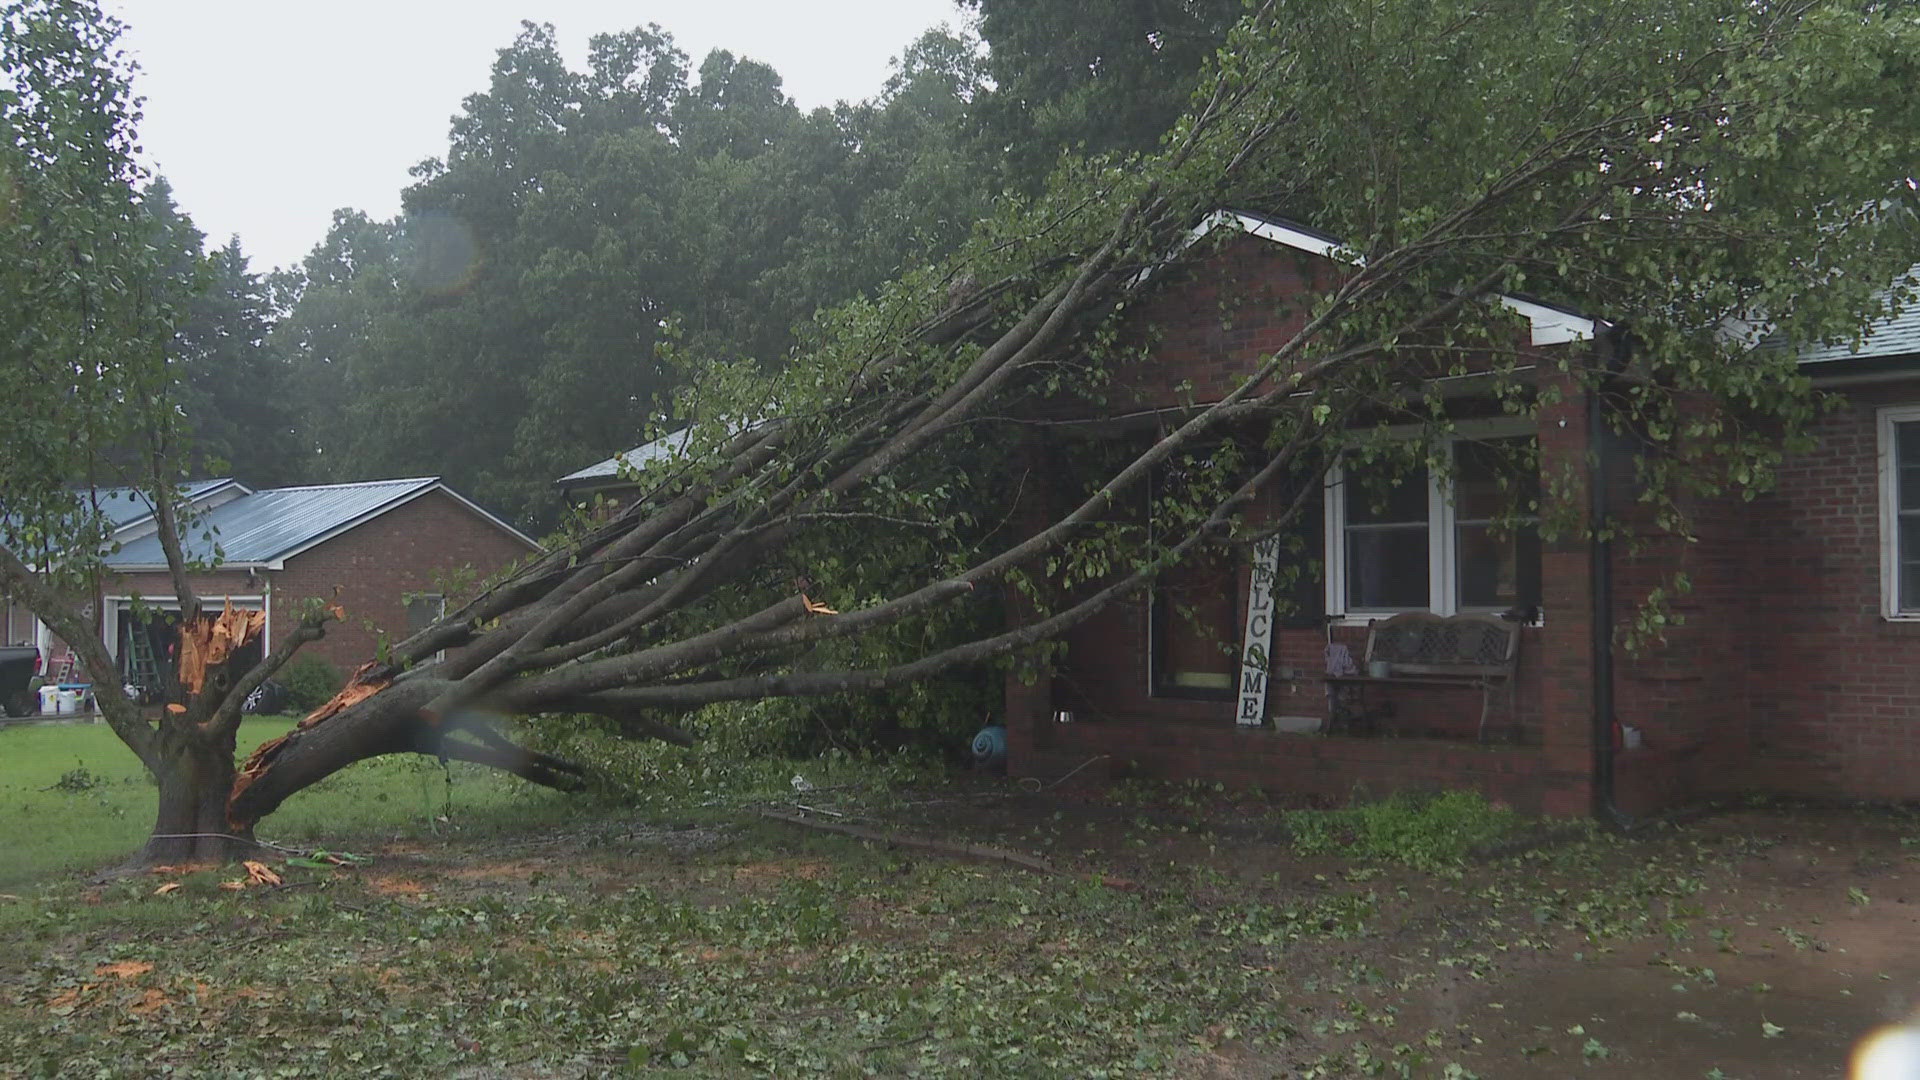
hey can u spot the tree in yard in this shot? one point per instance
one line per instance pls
(1678, 167)
(106, 338)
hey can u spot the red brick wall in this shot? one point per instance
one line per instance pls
(1835, 687)
(1780, 674)
(405, 550)
(1209, 326)
(374, 566)
(1209, 329)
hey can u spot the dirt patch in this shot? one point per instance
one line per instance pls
(1802, 949)
(762, 873)
(124, 969)
(387, 885)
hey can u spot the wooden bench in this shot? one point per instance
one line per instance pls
(1477, 652)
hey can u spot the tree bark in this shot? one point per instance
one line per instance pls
(195, 774)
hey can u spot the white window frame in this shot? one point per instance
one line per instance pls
(1888, 467)
(1443, 584)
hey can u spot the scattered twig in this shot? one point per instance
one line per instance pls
(892, 1044)
(284, 886)
(942, 847)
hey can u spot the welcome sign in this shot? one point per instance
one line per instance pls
(1257, 643)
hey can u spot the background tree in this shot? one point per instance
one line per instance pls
(579, 221)
(232, 391)
(1067, 78)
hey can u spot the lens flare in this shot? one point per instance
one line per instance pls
(444, 254)
(1889, 1053)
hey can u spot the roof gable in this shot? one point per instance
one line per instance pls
(125, 507)
(1550, 325)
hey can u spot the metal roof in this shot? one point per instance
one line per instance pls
(269, 525)
(660, 449)
(671, 445)
(124, 506)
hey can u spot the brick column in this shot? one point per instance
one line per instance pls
(1566, 641)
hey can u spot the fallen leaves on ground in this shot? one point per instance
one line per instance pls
(169, 887)
(259, 873)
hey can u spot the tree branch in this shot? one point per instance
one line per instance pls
(121, 713)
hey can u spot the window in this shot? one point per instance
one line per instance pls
(1387, 537)
(1414, 541)
(423, 610)
(1497, 563)
(1900, 512)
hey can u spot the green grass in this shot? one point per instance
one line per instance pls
(689, 936)
(73, 799)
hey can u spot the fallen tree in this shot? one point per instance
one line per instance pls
(1677, 168)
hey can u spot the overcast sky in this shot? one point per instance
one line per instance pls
(266, 115)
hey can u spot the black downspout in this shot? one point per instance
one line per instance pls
(1612, 351)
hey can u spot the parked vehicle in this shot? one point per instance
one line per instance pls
(18, 665)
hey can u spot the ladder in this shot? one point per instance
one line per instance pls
(142, 671)
(60, 670)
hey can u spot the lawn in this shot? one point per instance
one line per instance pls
(73, 798)
(1141, 932)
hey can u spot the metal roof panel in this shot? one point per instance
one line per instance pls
(265, 525)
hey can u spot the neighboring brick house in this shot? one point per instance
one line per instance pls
(386, 551)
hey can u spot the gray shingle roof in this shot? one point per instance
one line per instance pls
(1897, 336)
(268, 525)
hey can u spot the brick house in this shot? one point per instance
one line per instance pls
(387, 551)
(1790, 672)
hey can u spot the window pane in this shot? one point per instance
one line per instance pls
(1908, 528)
(1479, 468)
(1910, 487)
(1387, 568)
(1382, 497)
(1499, 571)
(422, 611)
(1907, 443)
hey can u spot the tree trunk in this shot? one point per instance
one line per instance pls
(196, 776)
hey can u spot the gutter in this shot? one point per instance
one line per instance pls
(162, 568)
